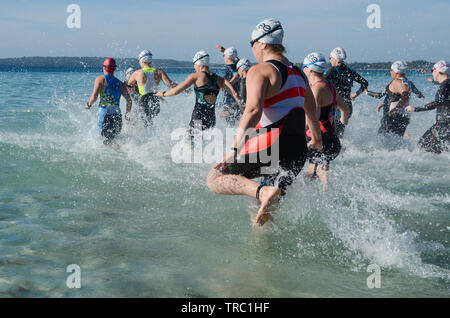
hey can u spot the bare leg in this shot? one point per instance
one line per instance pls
(232, 184)
(322, 172)
(310, 171)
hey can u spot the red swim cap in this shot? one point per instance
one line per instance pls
(109, 65)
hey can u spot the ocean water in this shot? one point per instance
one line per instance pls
(140, 225)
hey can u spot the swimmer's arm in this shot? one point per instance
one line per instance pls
(344, 108)
(234, 79)
(362, 81)
(220, 48)
(440, 101)
(132, 80)
(312, 121)
(98, 85)
(416, 91)
(127, 97)
(224, 84)
(374, 94)
(169, 83)
(256, 90)
(179, 88)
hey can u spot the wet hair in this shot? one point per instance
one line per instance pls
(277, 48)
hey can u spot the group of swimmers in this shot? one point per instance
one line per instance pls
(298, 113)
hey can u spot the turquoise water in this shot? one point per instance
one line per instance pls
(140, 225)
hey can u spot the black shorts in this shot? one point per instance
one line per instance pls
(150, 107)
(111, 126)
(395, 124)
(203, 117)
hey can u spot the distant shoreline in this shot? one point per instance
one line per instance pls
(88, 64)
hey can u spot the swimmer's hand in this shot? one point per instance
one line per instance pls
(220, 48)
(379, 107)
(159, 94)
(127, 116)
(315, 144)
(228, 158)
(410, 109)
(224, 113)
(430, 80)
(353, 96)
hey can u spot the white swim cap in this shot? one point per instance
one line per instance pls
(442, 67)
(129, 71)
(145, 56)
(338, 54)
(201, 58)
(399, 67)
(316, 62)
(244, 64)
(231, 53)
(268, 31)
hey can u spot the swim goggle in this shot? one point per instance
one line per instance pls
(314, 63)
(200, 58)
(252, 42)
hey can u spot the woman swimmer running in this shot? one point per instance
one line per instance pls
(327, 101)
(395, 118)
(437, 138)
(278, 98)
(206, 87)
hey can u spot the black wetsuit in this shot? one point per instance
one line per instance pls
(343, 77)
(399, 121)
(330, 140)
(437, 138)
(204, 114)
(229, 104)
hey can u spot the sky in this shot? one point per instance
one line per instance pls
(175, 29)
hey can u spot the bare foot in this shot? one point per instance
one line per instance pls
(267, 196)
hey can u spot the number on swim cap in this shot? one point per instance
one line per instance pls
(313, 58)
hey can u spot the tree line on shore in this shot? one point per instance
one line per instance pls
(94, 64)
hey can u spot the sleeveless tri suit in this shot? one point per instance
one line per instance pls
(148, 103)
(279, 135)
(109, 115)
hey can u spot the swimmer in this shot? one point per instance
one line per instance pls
(437, 138)
(231, 110)
(110, 89)
(327, 101)
(342, 78)
(206, 87)
(148, 79)
(395, 119)
(278, 98)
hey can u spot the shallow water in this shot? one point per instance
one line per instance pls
(140, 225)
